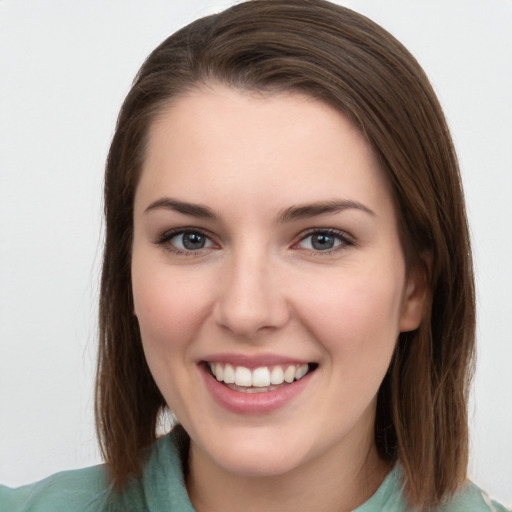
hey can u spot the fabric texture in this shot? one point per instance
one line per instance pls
(162, 489)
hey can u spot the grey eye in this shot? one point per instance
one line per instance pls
(190, 241)
(321, 241)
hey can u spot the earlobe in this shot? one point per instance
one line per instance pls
(415, 297)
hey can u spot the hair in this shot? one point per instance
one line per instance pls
(347, 61)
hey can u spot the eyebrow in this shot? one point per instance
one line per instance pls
(287, 215)
(320, 208)
(192, 209)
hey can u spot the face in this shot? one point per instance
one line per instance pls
(268, 278)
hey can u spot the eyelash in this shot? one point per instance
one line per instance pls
(344, 239)
(165, 238)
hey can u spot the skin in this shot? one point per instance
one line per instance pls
(260, 286)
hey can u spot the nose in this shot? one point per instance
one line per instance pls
(251, 298)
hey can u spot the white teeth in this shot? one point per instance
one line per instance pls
(289, 374)
(243, 376)
(218, 371)
(229, 374)
(301, 371)
(277, 376)
(261, 377)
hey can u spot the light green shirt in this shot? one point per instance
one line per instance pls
(162, 489)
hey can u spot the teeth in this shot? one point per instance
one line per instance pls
(261, 377)
(218, 371)
(301, 371)
(229, 374)
(289, 374)
(277, 375)
(243, 376)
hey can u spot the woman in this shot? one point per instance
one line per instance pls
(286, 268)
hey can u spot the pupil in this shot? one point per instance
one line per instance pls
(322, 242)
(193, 241)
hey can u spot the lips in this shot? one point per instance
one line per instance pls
(249, 386)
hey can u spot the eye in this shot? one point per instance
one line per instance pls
(185, 240)
(324, 240)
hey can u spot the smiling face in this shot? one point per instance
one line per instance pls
(266, 246)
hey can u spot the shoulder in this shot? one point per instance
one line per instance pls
(471, 497)
(161, 488)
(390, 498)
(80, 490)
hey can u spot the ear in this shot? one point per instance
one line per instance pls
(415, 296)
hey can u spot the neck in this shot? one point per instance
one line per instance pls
(335, 482)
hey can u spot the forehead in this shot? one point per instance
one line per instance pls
(225, 143)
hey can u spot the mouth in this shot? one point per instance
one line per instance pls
(258, 380)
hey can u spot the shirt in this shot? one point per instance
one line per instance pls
(162, 489)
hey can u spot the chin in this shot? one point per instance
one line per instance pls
(258, 465)
(252, 454)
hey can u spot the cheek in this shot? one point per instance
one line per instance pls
(170, 310)
(169, 306)
(359, 317)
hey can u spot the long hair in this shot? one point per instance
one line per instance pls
(345, 60)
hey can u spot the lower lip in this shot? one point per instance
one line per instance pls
(252, 403)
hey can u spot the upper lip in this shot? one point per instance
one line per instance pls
(254, 360)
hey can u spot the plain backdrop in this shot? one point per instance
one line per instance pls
(65, 67)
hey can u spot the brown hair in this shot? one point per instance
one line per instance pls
(344, 59)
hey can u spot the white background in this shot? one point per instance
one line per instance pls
(65, 67)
